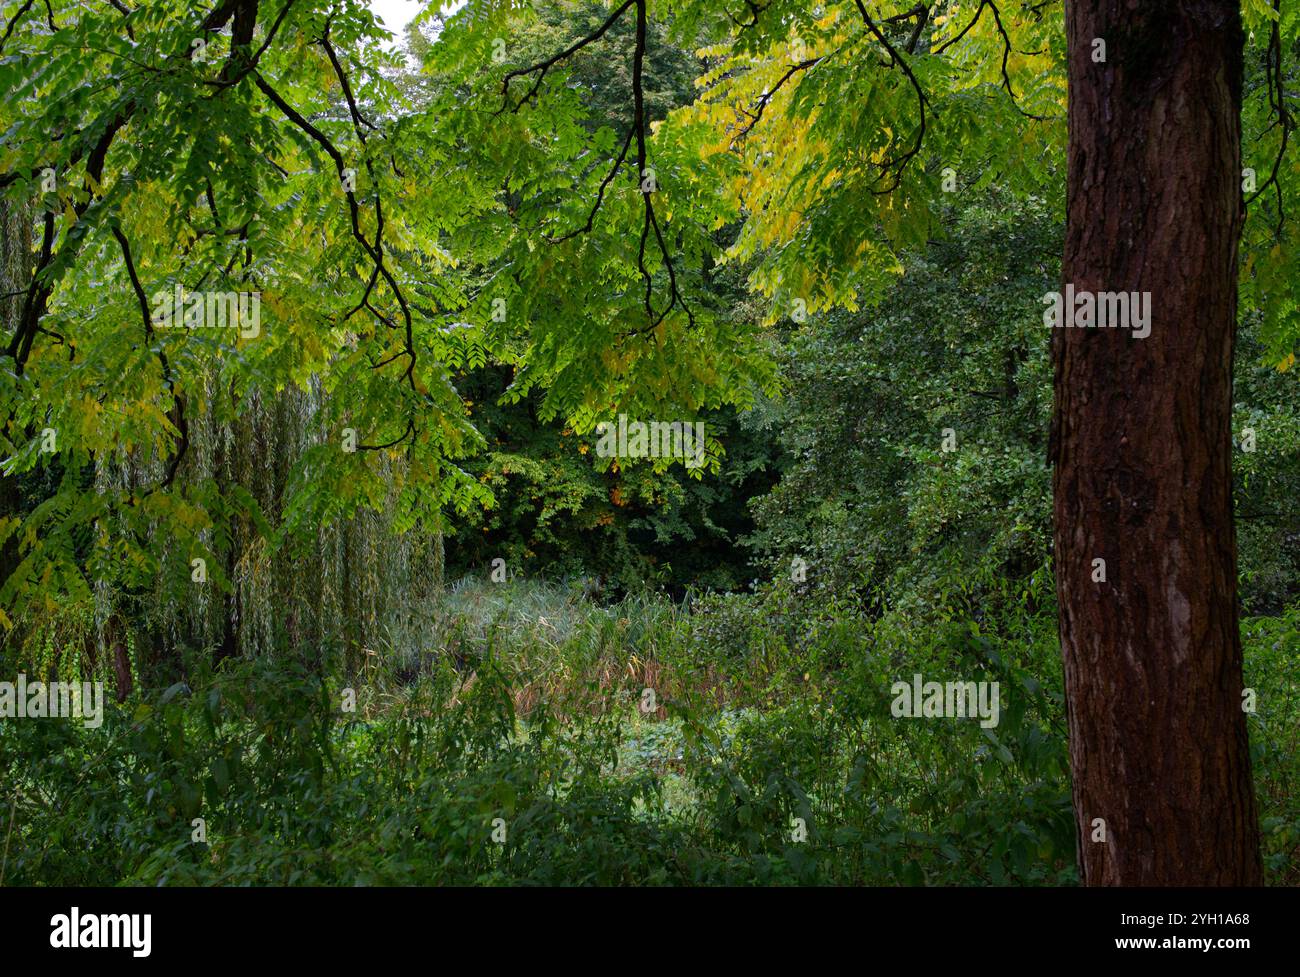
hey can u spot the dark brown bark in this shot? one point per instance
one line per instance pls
(121, 663)
(1142, 447)
(15, 275)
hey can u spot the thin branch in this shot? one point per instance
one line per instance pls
(182, 426)
(768, 95)
(229, 76)
(410, 429)
(754, 11)
(600, 194)
(542, 67)
(1276, 86)
(14, 23)
(1007, 49)
(897, 60)
(358, 120)
(651, 222)
(374, 253)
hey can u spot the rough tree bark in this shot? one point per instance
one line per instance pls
(16, 264)
(1142, 448)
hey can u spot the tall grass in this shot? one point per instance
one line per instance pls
(509, 739)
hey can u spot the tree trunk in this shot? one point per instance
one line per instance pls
(1142, 447)
(16, 264)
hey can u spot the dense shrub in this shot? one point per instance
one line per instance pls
(756, 724)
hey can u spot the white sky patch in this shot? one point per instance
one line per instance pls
(395, 14)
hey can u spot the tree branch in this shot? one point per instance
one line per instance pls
(178, 404)
(542, 67)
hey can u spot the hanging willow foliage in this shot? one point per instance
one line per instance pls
(355, 584)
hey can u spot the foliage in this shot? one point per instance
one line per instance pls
(918, 427)
(593, 789)
(820, 229)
